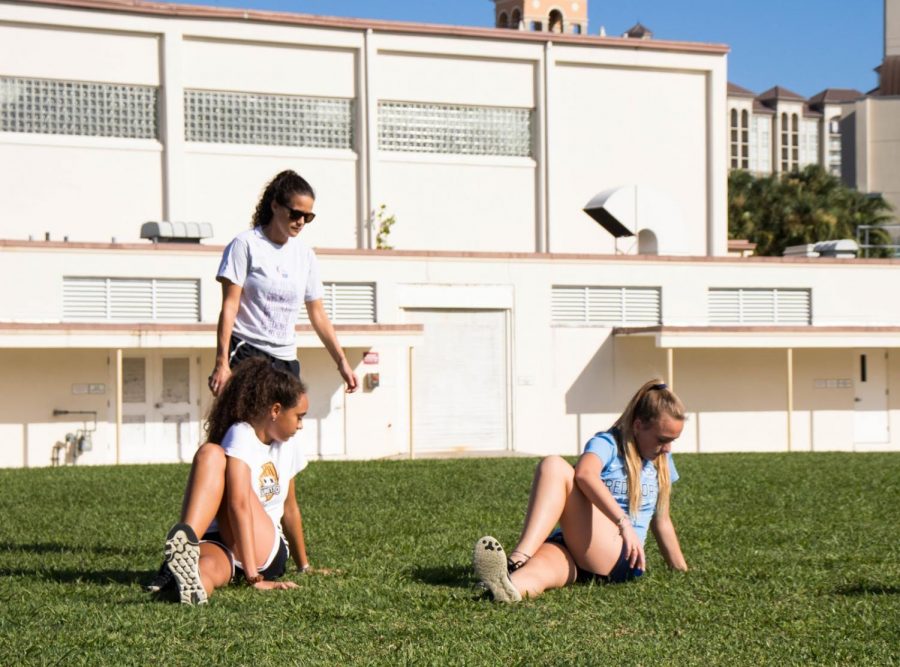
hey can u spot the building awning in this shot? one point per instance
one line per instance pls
(114, 335)
(773, 336)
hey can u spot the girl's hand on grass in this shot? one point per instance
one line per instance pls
(634, 551)
(274, 585)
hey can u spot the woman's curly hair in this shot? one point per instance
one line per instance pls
(280, 190)
(249, 394)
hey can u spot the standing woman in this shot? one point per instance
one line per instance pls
(604, 506)
(266, 272)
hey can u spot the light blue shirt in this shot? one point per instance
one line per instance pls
(615, 475)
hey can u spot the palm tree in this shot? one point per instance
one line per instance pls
(805, 206)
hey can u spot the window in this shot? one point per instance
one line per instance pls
(46, 106)
(555, 21)
(809, 142)
(445, 128)
(516, 19)
(605, 306)
(503, 20)
(761, 145)
(745, 140)
(833, 149)
(735, 147)
(758, 306)
(537, 26)
(131, 299)
(347, 303)
(268, 120)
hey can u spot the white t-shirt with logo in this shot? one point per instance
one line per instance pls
(272, 278)
(272, 467)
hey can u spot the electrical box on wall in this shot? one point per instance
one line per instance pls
(372, 381)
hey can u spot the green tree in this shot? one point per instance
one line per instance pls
(805, 206)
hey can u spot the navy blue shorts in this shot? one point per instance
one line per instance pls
(238, 350)
(621, 571)
(274, 571)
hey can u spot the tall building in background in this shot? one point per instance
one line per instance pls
(542, 15)
(779, 131)
(872, 124)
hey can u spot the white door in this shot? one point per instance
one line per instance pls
(159, 413)
(870, 417)
(460, 381)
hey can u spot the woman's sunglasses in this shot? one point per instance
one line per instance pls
(295, 215)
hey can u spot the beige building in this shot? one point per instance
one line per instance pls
(779, 131)
(505, 319)
(872, 124)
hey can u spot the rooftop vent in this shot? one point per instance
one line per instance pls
(846, 248)
(176, 232)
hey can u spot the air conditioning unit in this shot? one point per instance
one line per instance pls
(176, 232)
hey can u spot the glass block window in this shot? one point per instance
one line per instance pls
(268, 120)
(606, 306)
(131, 299)
(347, 303)
(46, 106)
(759, 306)
(462, 130)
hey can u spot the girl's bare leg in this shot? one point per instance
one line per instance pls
(205, 488)
(592, 539)
(215, 567)
(554, 480)
(552, 566)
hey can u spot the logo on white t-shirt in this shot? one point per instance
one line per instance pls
(268, 481)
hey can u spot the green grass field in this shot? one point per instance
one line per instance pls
(795, 560)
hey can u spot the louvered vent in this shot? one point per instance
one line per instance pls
(758, 306)
(609, 306)
(347, 303)
(131, 300)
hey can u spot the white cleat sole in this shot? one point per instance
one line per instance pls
(183, 559)
(489, 561)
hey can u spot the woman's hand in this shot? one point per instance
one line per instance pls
(348, 375)
(634, 550)
(274, 585)
(218, 378)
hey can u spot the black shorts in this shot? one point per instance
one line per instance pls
(238, 350)
(621, 571)
(274, 571)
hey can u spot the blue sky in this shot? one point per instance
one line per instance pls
(804, 45)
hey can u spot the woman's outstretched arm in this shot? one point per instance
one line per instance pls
(325, 330)
(231, 301)
(240, 514)
(667, 539)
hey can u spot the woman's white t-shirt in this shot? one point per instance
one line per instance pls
(272, 467)
(272, 278)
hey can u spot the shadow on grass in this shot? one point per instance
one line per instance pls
(457, 576)
(126, 577)
(860, 588)
(60, 548)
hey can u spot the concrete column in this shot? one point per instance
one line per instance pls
(171, 125)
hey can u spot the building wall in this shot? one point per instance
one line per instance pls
(566, 381)
(491, 202)
(875, 126)
(891, 28)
